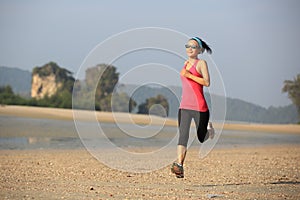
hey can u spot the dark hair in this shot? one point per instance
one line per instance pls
(203, 44)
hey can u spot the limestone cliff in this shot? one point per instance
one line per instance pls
(47, 80)
(44, 85)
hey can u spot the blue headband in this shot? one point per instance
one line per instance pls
(198, 41)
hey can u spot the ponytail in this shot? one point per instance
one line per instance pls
(202, 44)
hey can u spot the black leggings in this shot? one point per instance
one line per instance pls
(184, 121)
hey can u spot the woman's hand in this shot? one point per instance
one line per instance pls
(185, 73)
(201, 69)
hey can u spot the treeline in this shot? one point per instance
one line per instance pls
(59, 100)
(95, 92)
(98, 90)
(8, 97)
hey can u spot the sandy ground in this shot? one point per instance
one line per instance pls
(244, 173)
(270, 172)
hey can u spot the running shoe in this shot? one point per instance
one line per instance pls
(177, 169)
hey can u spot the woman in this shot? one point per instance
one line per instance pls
(194, 76)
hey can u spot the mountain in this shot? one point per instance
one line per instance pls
(239, 110)
(236, 109)
(19, 80)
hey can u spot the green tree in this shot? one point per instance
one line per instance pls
(8, 97)
(292, 87)
(6, 90)
(101, 80)
(151, 106)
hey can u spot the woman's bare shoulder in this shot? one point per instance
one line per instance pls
(200, 65)
(202, 62)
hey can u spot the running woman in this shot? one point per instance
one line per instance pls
(194, 76)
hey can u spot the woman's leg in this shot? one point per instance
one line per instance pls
(181, 153)
(201, 121)
(184, 123)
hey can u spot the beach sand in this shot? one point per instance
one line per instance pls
(243, 173)
(265, 172)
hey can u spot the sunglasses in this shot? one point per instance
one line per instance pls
(191, 46)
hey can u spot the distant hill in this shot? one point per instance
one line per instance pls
(236, 109)
(18, 79)
(239, 110)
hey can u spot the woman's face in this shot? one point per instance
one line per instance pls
(193, 49)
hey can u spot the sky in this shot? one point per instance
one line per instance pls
(255, 43)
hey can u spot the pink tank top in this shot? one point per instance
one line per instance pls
(192, 92)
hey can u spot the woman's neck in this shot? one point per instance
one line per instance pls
(192, 60)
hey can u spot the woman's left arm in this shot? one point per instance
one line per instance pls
(202, 69)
